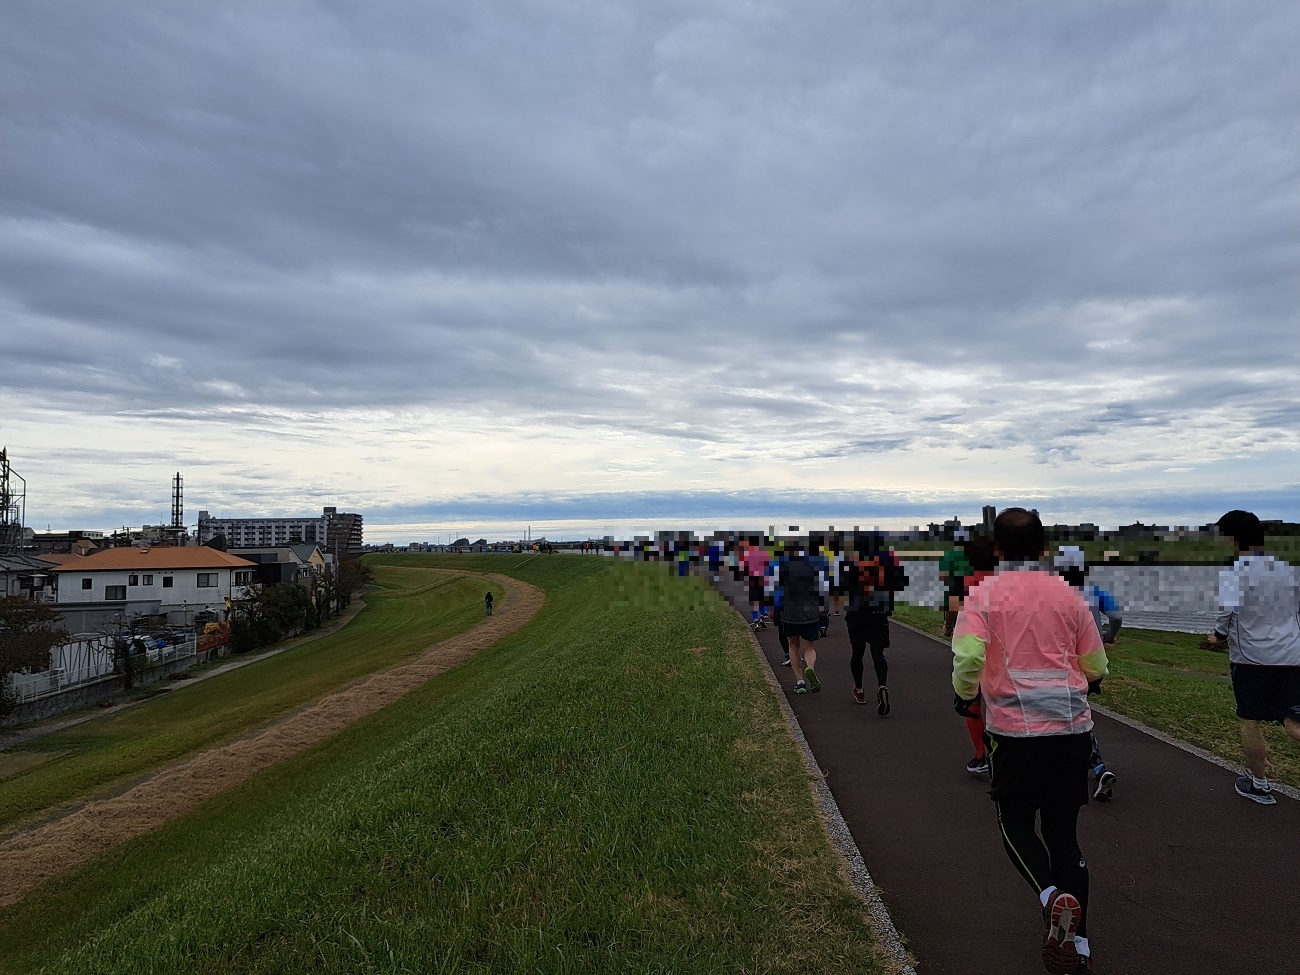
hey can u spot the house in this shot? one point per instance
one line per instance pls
(291, 564)
(172, 582)
(27, 576)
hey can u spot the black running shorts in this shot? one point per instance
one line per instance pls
(804, 631)
(872, 628)
(756, 591)
(1266, 693)
(1048, 770)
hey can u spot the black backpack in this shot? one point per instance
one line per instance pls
(799, 586)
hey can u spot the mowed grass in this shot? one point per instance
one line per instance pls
(411, 610)
(1166, 681)
(611, 789)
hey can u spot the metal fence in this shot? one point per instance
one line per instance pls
(32, 687)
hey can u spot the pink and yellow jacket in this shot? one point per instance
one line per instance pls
(1026, 643)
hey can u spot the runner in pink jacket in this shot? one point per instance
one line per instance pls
(1025, 647)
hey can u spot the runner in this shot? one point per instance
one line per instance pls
(487, 601)
(1072, 564)
(754, 561)
(1025, 646)
(1259, 617)
(983, 561)
(801, 585)
(870, 582)
(953, 568)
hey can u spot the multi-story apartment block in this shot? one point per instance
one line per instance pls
(336, 533)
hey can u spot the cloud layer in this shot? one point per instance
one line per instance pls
(391, 254)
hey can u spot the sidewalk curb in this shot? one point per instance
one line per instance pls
(837, 831)
(1190, 749)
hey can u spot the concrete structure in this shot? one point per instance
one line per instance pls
(174, 582)
(338, 533)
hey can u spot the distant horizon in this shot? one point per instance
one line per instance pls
(626, 515)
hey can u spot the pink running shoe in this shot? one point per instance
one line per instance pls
(1062, 914)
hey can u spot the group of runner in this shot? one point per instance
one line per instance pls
(1029, 637)
(807, 581)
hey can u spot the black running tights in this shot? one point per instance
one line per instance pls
(858, 643)
(1054, 860)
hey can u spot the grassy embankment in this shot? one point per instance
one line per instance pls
(609, 789)
(410, 610)
(1166, 681)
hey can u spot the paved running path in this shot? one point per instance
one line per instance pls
(1187, 877)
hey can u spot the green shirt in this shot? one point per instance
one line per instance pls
(954, 563)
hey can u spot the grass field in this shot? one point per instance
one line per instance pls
(1166, 681)
(610, 789)
(409, 611)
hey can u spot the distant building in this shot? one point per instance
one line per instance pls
(990, 515)
(337, 533)
(66, 543)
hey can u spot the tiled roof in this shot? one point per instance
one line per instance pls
(146, 559)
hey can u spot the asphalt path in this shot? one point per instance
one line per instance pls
(1186, 876)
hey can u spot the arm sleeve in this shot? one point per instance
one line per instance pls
(969, 644)
(1088, 646)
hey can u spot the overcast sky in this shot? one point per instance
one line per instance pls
(479, 264)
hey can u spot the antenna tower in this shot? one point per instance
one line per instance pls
(13, 507)
(176, 530)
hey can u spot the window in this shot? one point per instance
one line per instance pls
(115, 592)
(168, 582)
(133, 580)
(208, 580)
(148, 579)
(87, 583)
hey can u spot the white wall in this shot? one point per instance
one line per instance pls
(184, 593)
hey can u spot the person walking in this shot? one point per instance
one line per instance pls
(1259, 618)
(801, 585)
(1025, 647)
(487, 601)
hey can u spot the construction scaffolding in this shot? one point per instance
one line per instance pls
(13, 507)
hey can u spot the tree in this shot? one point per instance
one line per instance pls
(27, 635)
(353, 576)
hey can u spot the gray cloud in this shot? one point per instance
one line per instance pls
(820, 232)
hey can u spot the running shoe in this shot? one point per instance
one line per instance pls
(1103, 785)
(810, 675)
(1062, 915)
(978, 766)
(1247, 789)
(1085, 965)
(882, 701)
(786, 661)
(800, 687)
(859, 695)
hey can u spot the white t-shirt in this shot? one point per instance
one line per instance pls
(1259, 611)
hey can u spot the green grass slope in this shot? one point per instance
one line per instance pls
(610, 789)
(411, 610)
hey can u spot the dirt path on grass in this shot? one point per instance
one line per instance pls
(30, 859)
